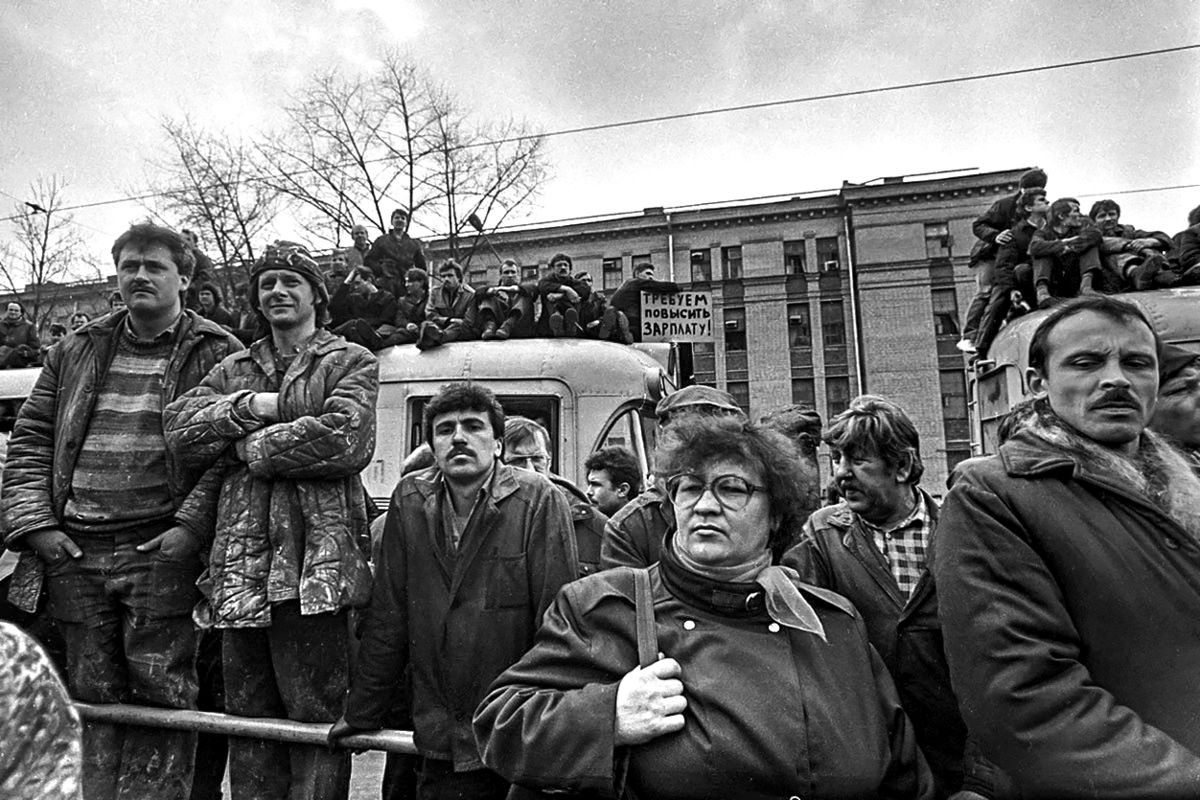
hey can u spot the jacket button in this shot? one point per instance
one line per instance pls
(689, 624)
(1170, 543)
(773, 627)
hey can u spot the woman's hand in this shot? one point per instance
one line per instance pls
(650, 702)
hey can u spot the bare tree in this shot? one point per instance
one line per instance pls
(208, 182)
(46, 261)
(355, 147)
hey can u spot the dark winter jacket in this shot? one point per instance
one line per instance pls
(303, 470)
(377, 309)
(21, 332)
(634, 535)
(838, 554)
(1187, 243)
(772, 712)
(1000, 216)
(628, 299)
(442, 307)
(1070, 607)
(1049, 243)
(589, 523)
(458, 620)
(54, 421)
(390, 259)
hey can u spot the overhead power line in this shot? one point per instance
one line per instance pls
(896, 87)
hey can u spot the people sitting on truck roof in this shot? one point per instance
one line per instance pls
(561, 296)
(613, 478)
(634, 535)
(599, 319)
(362, 312)
(410, 309)
(627, 300)
(1133, 259)
(392, 255)
(450, 311)
(1011, 268)
(1187, 249)
(19, 343)
(1177, 412)
(507, 309)
(1066, 254)
(992, 229)
(527, 446)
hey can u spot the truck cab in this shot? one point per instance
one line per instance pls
(588, 394)
(999, 383)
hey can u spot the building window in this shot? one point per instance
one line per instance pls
(804, 392)
(735, 329)
(794, 257)
(704, 367)
(612, 272)
(741, 394)
(837, 396)
(731, 263)
(529, 273)
(828, 257)
(937, 239)
(954, 405)
(833, 323)
(945, 312)
(644, 259)
(701, 266)
(799, 325)
(477, 277)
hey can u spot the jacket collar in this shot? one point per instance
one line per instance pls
(189, 324)
(840, 515)
(1027, 455)
(504, 482)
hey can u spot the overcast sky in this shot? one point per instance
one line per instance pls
(85, 82)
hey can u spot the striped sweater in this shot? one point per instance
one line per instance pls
(120, 478)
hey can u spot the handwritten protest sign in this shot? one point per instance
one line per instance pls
(683, 317)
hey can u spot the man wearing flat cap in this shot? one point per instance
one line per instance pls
(291, 421)
(634, 535)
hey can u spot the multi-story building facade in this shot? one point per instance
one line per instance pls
(817, 298)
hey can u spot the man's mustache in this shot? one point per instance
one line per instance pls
(1117, 398)
(460, 450)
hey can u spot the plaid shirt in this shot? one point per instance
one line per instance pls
(903, 545)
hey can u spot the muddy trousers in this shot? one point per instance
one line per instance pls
(297, 669)
(125, 618)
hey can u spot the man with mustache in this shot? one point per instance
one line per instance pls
(874, 547)
(109, 522)
(473, 551)
(1068, 574)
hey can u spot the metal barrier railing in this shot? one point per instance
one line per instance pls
(282, 730)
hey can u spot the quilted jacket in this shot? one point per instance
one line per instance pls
(301, 471)
(54, 421)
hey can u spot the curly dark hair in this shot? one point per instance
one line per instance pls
(694, 441)
(464, 396)
(621, 465)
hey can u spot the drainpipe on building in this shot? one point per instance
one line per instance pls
(670, 248)
(860, 365)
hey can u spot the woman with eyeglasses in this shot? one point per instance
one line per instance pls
(764, 687)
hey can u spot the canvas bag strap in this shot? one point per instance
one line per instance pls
(647, 636)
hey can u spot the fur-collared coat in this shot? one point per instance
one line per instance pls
(1069, 583)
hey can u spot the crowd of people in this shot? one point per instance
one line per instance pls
(1032, 253)
(190, 515)
(383, 293)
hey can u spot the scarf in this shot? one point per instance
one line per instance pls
(784, 602)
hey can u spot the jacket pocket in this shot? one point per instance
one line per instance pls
(170, 590)
(507, 583)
